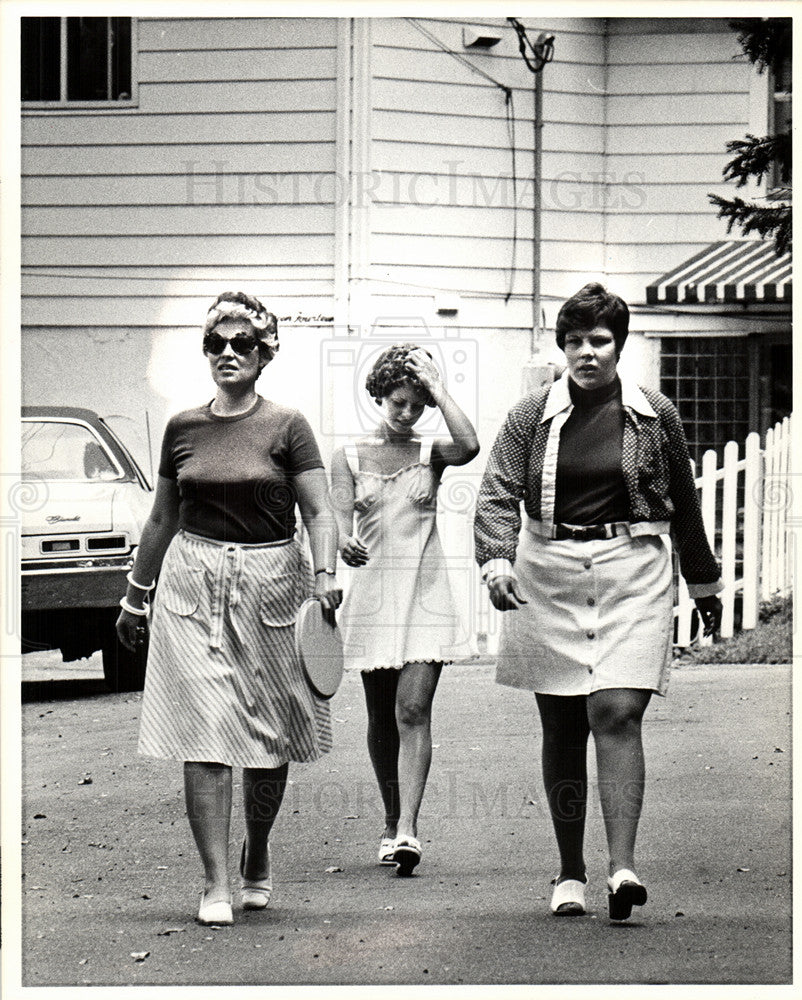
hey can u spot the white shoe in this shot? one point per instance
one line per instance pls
(568, 898)
(218, 913)
(386, 851)
(406, 854)
(625, 891)
(256, 893)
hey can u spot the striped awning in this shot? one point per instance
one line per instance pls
(741, 271)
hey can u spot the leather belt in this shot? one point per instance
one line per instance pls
(589, 532)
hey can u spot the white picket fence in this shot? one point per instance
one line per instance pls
(745, 506)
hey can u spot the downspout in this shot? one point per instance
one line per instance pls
(342, 177)
(360, 178)
(537, 175)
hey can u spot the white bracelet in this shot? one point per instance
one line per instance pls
(139, 586)
(139, 612)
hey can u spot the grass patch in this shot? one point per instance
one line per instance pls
(770, 642)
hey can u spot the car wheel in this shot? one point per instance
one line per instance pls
(122, 669)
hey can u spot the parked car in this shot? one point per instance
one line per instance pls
(79, 537)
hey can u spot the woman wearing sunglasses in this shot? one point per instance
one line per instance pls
(224, 687)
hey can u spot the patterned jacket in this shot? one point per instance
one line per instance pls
(655, 463)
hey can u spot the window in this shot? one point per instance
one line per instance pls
(708, 380)
(70, 60)
(64, 451)
(780, 115)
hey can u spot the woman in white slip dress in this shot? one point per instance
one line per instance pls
(399, 619)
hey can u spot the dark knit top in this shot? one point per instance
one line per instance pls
(236, 474)
(590, 479)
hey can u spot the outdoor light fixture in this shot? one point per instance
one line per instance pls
(446, 303)
(479, 38)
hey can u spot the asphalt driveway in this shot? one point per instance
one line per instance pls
(111, 878)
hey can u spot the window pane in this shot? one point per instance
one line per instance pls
(65, 452)
(120, 58)
(87, 59)
(39, 55)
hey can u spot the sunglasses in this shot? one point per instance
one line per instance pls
(242, 344)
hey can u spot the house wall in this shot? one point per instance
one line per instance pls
(134, 220)
(452, 215)
(678, 89)
(234, 168)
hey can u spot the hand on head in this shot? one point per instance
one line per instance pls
(424, 369)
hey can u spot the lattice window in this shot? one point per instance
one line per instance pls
(708, 380)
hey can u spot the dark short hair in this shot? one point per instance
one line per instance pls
(390, 371)
(590, 307)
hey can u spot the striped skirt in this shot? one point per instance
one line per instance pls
(599, 615)
(223, 681)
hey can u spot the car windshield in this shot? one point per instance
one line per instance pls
(65, 451)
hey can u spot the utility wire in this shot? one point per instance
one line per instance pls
(509, 110)
(456, 55)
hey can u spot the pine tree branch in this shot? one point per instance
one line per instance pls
(755, 156)
(767, 221)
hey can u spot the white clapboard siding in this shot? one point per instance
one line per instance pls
(231, 34)
(280, 65)
(649, 138)
(578, 35)
(161, 282)
(448, 160)
(441, 133)
(172, 311)
(389, 249)
(169, 157)
(664, 227)
(442, 128)
(674, 88)
(293, 96)
(222, 176)
(178, 220)
(441, 68)
(169, 128)
(491, 221)
(40, 251)
(188, 188)
(676, 109)
(711, 77)
(449, 276)
(701, 41)
(471, 101)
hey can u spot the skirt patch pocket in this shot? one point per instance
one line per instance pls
(180, 591)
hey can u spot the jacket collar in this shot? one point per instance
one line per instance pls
(632, 398)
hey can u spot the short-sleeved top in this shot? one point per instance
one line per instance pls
(236, 475)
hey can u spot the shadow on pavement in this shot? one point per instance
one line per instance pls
(62, 690)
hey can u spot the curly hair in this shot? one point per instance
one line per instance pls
(590, 307)
(390, 371)
(243, 306)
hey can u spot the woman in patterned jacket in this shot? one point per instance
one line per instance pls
(224, 687)
(603, 472)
